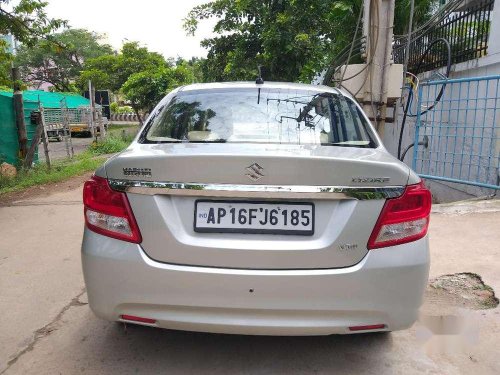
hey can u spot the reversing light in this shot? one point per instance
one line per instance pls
(403, 219)
(108, 212)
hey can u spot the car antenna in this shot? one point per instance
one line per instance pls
(259, 81)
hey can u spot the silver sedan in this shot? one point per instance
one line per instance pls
(270, 209)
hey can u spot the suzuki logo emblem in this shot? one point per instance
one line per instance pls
(254, 172)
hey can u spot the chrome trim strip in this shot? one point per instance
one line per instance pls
(256, 191)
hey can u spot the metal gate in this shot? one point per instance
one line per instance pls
(60, 123)
(457, 138)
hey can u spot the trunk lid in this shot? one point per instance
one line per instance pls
(342, 226)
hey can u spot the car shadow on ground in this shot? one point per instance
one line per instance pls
(184, 352)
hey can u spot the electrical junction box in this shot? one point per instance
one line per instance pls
(356, 80)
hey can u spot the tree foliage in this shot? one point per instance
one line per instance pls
(194, 65)
(58, 61)
(111, 71)
(142, 76)
(27, 20)
(5, 61)
(145, 89)
(291, 39)
(423, 10)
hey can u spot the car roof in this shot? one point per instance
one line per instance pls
(266, 84)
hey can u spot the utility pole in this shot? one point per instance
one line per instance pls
(93, 115)
(378, 28)
(19, 112)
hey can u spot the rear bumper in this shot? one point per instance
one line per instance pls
(386, 287)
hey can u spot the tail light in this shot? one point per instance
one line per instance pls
(403, 219)
(108, 212)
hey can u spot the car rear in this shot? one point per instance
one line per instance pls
(257, 209)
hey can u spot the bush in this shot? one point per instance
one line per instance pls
(115, 108)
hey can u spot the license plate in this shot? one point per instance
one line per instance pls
(254, 217)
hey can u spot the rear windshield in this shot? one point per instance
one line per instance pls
(259, 115)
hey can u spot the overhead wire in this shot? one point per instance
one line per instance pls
(415, 77)
(355, 44)
(342, 58)
(339, 61)
(437, 17)
(372, 3)
(352, 44)
(438, 97)
(412, 35)
(408, 42)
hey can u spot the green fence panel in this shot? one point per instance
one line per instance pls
(9, 144)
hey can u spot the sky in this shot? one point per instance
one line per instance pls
(155, 24)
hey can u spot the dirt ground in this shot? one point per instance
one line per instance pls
(47, 327)
(34, 192)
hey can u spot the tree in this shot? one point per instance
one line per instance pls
(145, 89)
(5, 61)
(293, 40)
(110, 72)
(423, 10)
(142, 76)
(195, 65)
(58, 61)
(27, 20)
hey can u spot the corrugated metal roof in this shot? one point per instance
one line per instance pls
(51, 99)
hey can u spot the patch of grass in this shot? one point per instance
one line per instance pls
(61, 170)
(116, 140)
(109, 145)
(123, 130)
(87, 161)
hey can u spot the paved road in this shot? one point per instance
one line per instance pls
(46, 326)
(79, 142)
(57, 150)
